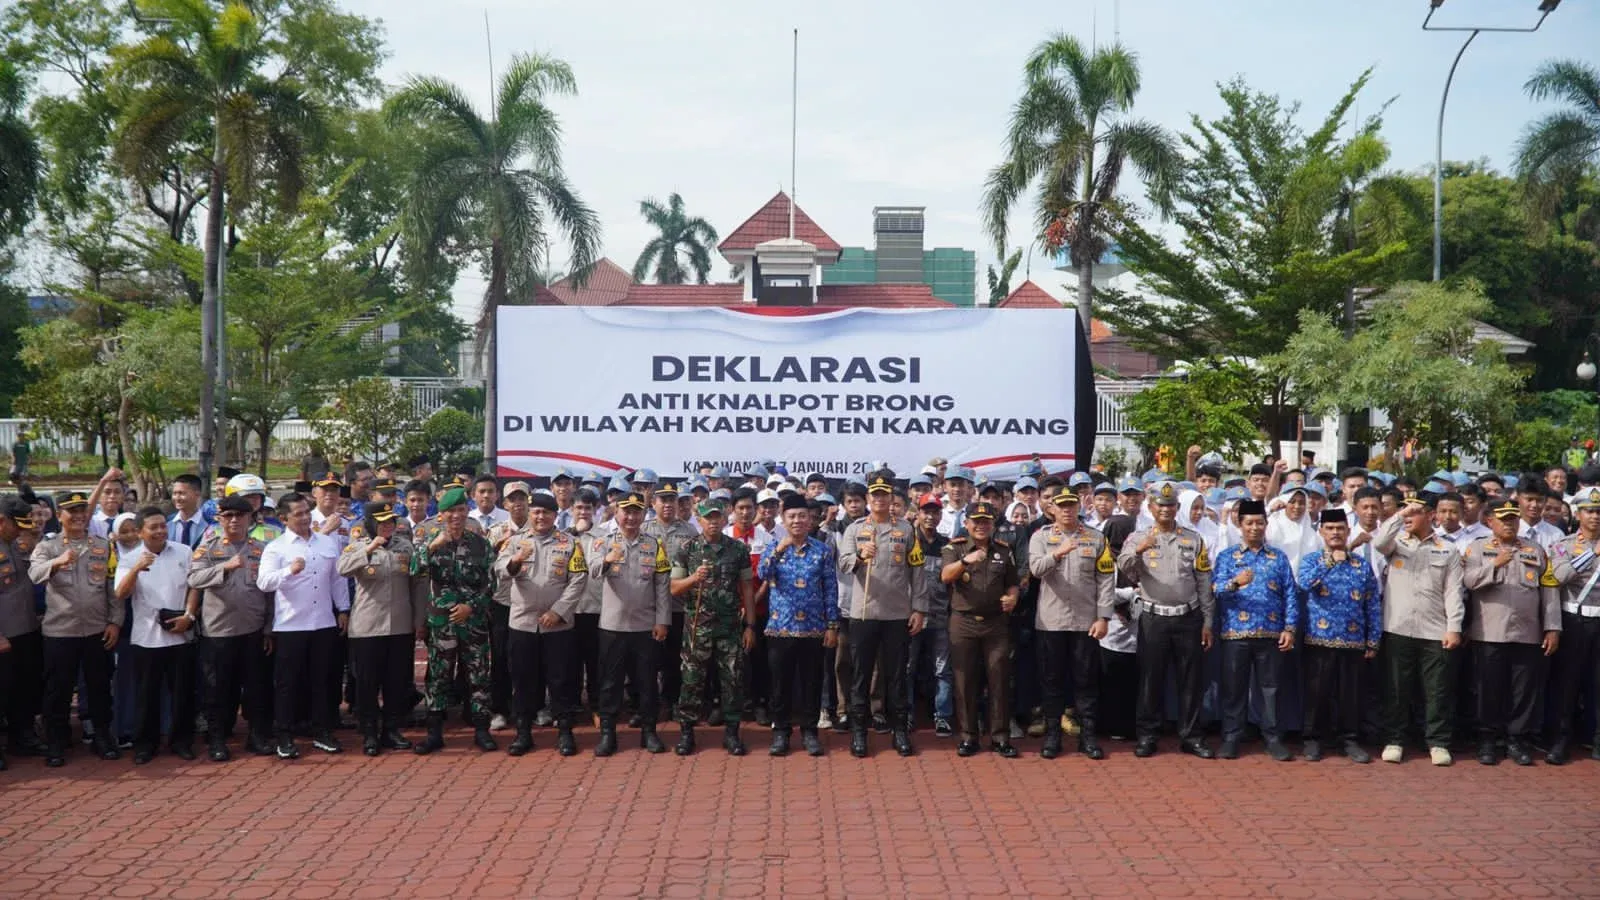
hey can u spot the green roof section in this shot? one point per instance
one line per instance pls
(950, 272)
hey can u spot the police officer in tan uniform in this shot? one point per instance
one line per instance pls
(881, 558)
(1077, 597)
(236, 618)
(516, 496)
(82, 619)
(388, 615)
(1169, 566)
(547, 574)
(981, 571)
(1577, 660)
(674, 534)
(1513, 622)
(21, 644)
(635, 611)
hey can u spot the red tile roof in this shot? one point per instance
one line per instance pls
(608, 283)
(893, 296)
(684, 295)
(1030, 296)
(771, 222)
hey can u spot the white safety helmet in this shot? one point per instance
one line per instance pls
(245, 484)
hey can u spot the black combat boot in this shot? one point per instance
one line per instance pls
(731, 741)
(392, 739)
(481, 737)
(435, 739)
(523, 742)
(649, 740)
(858, 739)
(685, 740)
(902, 742)
(780, 742)
(370, 744)
(608, 737)
(104, 746)
(811, 741)
(566, 744)
(1052, 740)
(1089, 745)
(218, 751)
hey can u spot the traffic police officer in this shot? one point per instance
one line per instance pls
(1169, 566)
(1577, 660)
(981, 572)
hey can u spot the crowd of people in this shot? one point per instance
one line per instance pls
(1354, 609)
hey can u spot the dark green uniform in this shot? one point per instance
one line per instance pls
(713, 624)
(460, 572)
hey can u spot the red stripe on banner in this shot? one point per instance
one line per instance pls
(508, 472)
(1021, 457)
(786, 311)
(569, 457)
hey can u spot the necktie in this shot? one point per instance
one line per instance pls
(188, 528)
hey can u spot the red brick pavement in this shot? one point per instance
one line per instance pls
(468, 825)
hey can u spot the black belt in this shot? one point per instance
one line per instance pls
(978, 617)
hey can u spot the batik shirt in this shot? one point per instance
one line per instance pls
(1264, 607)
(1343, 609)
(803, 601)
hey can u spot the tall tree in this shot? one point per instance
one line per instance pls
(676, 233)
(1000, 282)
(20, 163)
(494, 189)
(1069, 139)
(1562, 146)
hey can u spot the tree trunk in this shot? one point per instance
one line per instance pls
(491, 375)
(264, 433)
(208, 319)
(125, 448)
(1086, 303)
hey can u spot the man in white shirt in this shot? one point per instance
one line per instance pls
(958, 493)
(187, 525)
(1448, 513)
(311, 607)
(486, 510)
(156, 579)
(107, 502)
(1530, 498)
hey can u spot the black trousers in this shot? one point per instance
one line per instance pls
(237, 672)
(795, 664)
(64, 658)
(880, 643)
(1577, 661)
(1333, 692)
(1410, 663)
(540, 660)
(634, 655)
(384, 664)
(1069, 660)
(1119, 693)
(1243, 658)
(499, 659)
(586, 631)
(163, 673)
(22, 683)
(304, 673)
(1170, 641)
(1508, 680)
(671, 671)
(1028, 689)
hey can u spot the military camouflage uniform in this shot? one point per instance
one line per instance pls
(713, 624)
(462, 572)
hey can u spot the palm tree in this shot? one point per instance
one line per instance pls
(675, 232)
(203, 74)
(19, 154)
(494, 188)
(1069, 139)
(1558, 148)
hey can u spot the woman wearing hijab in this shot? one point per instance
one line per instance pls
(386, 620)
(1292, 529)
(1192, 514)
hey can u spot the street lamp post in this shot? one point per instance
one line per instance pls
(1586, 372)
(1546, 7)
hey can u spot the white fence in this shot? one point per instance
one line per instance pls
(180, 440)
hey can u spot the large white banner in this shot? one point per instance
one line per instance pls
(619, 388)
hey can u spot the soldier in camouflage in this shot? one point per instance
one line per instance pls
(460, 565)
(711, 579)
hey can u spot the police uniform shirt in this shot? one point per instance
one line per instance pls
(553, 578)
(1076, 589)
(340, 535)
(307, 601)
(79, 599)
(498, 535)
(165, 585)
(1423, 589)
(231, 605)
(16, 594)
(891, 585)
(1175, 571)
(674, 537)
(388, 600)
(979, 590)
(1572, 563)
(1511, 604)
(593, 546)
(635, 595)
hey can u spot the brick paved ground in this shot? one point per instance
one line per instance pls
(463, 824)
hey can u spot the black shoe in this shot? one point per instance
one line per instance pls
(1089, 746)
(636, 721)
(880, 724)
(482, 739)
(143, 756)
(27, 744)
(811, 741)
(392, 739)
(55, 757)
(967, 747)
(523, 742)
(762, 718)
(1006, 750)
(1229, 749)
(1311, 750)
(1052, 743)
(2, 762)
(327, 743)
(1558, 753)
(566, 744)
(941, 727)
(1277, 750)
(1354, 752)
(1197, 747)
(650, 742)
(902, 743)
(608, 738)
(858, 743)
(287, 749)
(715, 717)
(435, 739)
(184, 752)
(104, 747)
(1519, 753)
(685, 745)
(1145, 748)
(731, 741)
(258, 745)
(218, 752)
(780, 742)
(1487, 754)
(1594, 753)
(370, 745)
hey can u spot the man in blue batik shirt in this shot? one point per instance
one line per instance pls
(1343, 623)
(1259, 610)
(802, 618)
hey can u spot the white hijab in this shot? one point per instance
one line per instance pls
(1207, 527)
(1296, 537)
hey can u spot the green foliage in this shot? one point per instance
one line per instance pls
(1213, 406)
(450, 437)
(20, 162)
(676, 233)
(1000, 282)
(13, 319)
(1416, 359)
(1569, 409)
(1528, 445)
(368, 418)
(1113, 461)
(1562, 145)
